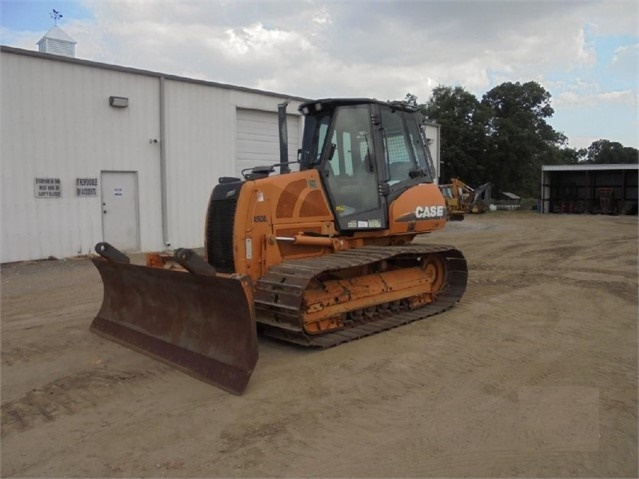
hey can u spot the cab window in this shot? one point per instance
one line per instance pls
(399, 157)
(349, 172)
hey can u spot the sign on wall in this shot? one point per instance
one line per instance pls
(86, 187)
(48, 188)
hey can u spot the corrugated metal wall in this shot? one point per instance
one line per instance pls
(432, 133)
(199, 149)
(257, 139)
(57, 123)
(201, 132)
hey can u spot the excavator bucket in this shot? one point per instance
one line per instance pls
(195, 320)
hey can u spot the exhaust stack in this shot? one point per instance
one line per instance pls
(283, 129)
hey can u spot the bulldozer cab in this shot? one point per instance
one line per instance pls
(367, 153)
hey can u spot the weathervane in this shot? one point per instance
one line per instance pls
(55, 15)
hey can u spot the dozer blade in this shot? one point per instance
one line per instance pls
(204, 325)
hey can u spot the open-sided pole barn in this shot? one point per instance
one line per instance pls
(608, 189)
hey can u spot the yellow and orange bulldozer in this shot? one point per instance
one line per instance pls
(316, 257)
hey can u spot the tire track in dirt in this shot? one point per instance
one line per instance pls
(69, 395)
(68, 341)
(619, 283)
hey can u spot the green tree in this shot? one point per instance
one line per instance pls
(520, 139)
(410, 99)
(604, 151)
(505, 138)
(566, 156)
(463, 121)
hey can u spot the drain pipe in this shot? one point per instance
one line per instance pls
(163, 175)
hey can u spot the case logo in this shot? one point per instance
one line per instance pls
(422, 212)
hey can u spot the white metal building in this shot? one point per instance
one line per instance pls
(93, 152)
(432, 132)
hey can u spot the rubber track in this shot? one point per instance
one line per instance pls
(279, 293)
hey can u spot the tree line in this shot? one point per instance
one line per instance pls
(505, 137)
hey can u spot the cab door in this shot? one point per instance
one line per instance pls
(350, 171)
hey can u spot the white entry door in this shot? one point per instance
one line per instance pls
(120, 223)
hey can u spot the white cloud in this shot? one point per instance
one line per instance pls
(383, 49)
(611, 17)
(569, 99)
(322, 17)
(578, 142)
(20, 39)
(624, 61)
(585, 52)
(622, 52)
(259, 41)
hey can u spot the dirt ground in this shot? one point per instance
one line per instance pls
(533, 374)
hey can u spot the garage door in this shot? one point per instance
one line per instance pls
(257, 140)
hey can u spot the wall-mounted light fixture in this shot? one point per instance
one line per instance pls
(118, 101)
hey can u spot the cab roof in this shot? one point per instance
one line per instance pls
(330, 103)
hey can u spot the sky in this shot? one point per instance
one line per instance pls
(584, 53)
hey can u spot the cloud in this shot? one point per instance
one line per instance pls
(624, 61)
(382, 49)
(322, 17)
(20, 39)
(626, 52)
(570, 99)
(256, 40)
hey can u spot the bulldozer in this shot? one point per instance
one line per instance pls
(317, 257)
(461, 198)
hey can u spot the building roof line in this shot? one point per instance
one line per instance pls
(590, 166)
(138, 71)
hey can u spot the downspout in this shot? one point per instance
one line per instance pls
(163, 175)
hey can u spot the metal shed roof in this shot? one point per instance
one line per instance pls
(512, 196)
(137, 71)
(593, 167)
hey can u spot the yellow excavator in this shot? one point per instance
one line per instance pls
(315, 257)
(461, 198)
